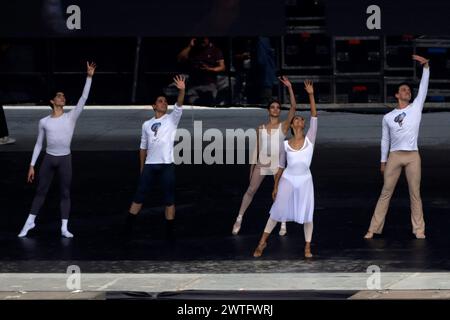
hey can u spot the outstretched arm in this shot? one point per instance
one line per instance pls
(312, 131)
(180, 83)
(309, 88)
(292, 101)
(423, 88)
(175, 115)
(75, 113)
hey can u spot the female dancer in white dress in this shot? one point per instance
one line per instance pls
(270, 140)
(293, 191)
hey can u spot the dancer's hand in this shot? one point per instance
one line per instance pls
(180, 82)
(284, 80)
(423, 61)
(91, 68)
(382, 167)
(30, 174)
(309, 86)
(274, 193)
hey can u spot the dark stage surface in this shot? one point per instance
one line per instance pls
(347, 185)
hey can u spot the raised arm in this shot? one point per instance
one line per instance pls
(309, 88)
(312, 131)
(184, 54)
(423, 88)
(180, 83)
(385, 145)
(75, 113)
(175, 115)
(284, 80)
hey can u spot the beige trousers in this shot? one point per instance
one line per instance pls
(410, 160)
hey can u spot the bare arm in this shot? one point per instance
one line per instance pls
(142, 157)
(281, 166)
(277, 180)
(175, 115)
(217, 69)
(184, 54)
(255, 154)
(309, 88)
(180, 83)
(292, 101)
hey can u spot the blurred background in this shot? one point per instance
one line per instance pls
(133, 70)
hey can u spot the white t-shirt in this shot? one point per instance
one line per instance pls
(401, 126)
(158, 136)
(59, 131)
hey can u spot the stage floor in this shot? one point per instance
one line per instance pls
(347, 184)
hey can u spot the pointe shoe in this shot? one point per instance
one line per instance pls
(308, 253)
(420, 236)
(283, 229)
(237, 225)
(369, 235)
(259, 250)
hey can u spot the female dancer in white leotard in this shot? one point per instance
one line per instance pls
(293, 191)
(277, 130)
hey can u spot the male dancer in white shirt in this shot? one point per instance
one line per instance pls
(156, 156)
(399, 140)
(58, 130)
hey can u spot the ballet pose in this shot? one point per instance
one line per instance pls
(58, 130)
(270, 139)
(399, 151)
(293, 191)
(156, 156)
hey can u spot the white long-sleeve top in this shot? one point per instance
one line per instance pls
(59, 130)
(158, 136)
(401, 126)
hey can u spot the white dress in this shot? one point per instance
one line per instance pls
(295, 197)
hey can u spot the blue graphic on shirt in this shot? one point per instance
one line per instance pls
(155, 127)
(400, 118)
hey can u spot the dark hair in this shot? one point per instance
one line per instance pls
(273, 101)
(397, 88)
(52, 95)
(160, 95)
(290, 124)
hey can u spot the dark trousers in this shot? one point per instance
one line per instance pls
(62, 165)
